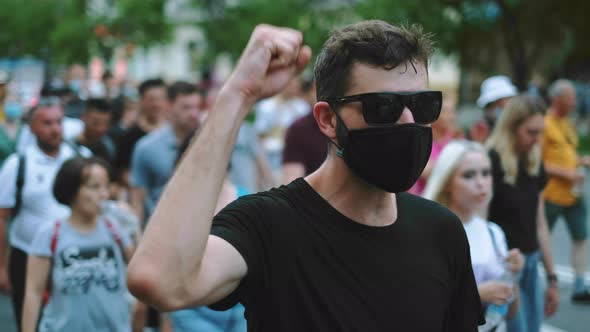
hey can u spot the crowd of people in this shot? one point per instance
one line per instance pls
(88, 178)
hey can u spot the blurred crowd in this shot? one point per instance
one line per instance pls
(102, 154)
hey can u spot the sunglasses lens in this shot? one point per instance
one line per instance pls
(382, 109)
(425, 106)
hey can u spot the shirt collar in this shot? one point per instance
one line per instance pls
(42, 157)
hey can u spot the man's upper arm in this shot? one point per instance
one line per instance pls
(221, 271)
(8, 175)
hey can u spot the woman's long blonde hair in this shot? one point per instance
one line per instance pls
(448, 161)
(503, 138)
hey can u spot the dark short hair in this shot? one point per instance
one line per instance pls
(151, 84)
(107, 75)
(97, 105)
(181, 88)
(72, 175)
(373, 42)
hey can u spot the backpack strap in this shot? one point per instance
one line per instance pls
(53, 247)
(54, 237)
(494, 243)
(116, 236)
(20, 183)
(75, 147)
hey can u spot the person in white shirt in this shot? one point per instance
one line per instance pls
(34, 200)
(462, 181)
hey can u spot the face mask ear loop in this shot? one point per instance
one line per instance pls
(339, 150)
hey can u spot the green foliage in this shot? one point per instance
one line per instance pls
(66, 32)
(230, 32)
(527, 34)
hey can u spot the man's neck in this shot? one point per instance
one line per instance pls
(148, 124)
(51, 152)
(181, 134)
(84, 140)
(351, 196)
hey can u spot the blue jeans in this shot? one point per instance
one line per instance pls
(530, 313)
(207, 320)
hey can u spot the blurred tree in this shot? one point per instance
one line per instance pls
(228, 27)
(70, 31)
(542, 35)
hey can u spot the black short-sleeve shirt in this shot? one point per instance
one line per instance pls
(125, 145)
(515, 207)
(310, 268)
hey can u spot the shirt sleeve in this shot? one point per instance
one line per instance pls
(8, 175)
(139, 172)
(41, 245)
(241, 225)
(466, 311)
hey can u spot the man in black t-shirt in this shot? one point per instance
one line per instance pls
(153, 105)
(344, 249)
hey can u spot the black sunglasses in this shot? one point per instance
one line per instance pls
(385, 108)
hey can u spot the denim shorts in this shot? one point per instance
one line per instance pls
(574, 215)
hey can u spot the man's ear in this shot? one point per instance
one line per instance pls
(326, 119)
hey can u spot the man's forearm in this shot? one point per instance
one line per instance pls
(557, 171)
(176, 236)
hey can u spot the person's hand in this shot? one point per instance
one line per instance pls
(138, 316)
(585, 161)
(5, 286)
(515, 260)
(272, 57)
(495, 292)
(575, 176)
(551, 300)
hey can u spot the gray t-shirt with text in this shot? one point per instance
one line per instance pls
(88, 279)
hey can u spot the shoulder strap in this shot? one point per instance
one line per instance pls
(53, 247)
(115, 235)
(55, 237)
(494, 243)
(20, 182)
(74, 147)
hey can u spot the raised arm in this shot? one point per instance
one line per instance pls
(178, 264)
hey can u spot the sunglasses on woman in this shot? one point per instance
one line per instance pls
(385, 108)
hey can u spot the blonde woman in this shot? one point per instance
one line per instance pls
(517, 205)
(462, 181)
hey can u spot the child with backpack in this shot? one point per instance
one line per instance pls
(77, 266)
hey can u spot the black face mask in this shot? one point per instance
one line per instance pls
(391, 158)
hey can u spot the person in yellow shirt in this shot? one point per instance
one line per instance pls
(563, 193)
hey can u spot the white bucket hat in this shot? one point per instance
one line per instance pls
(494, 88)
